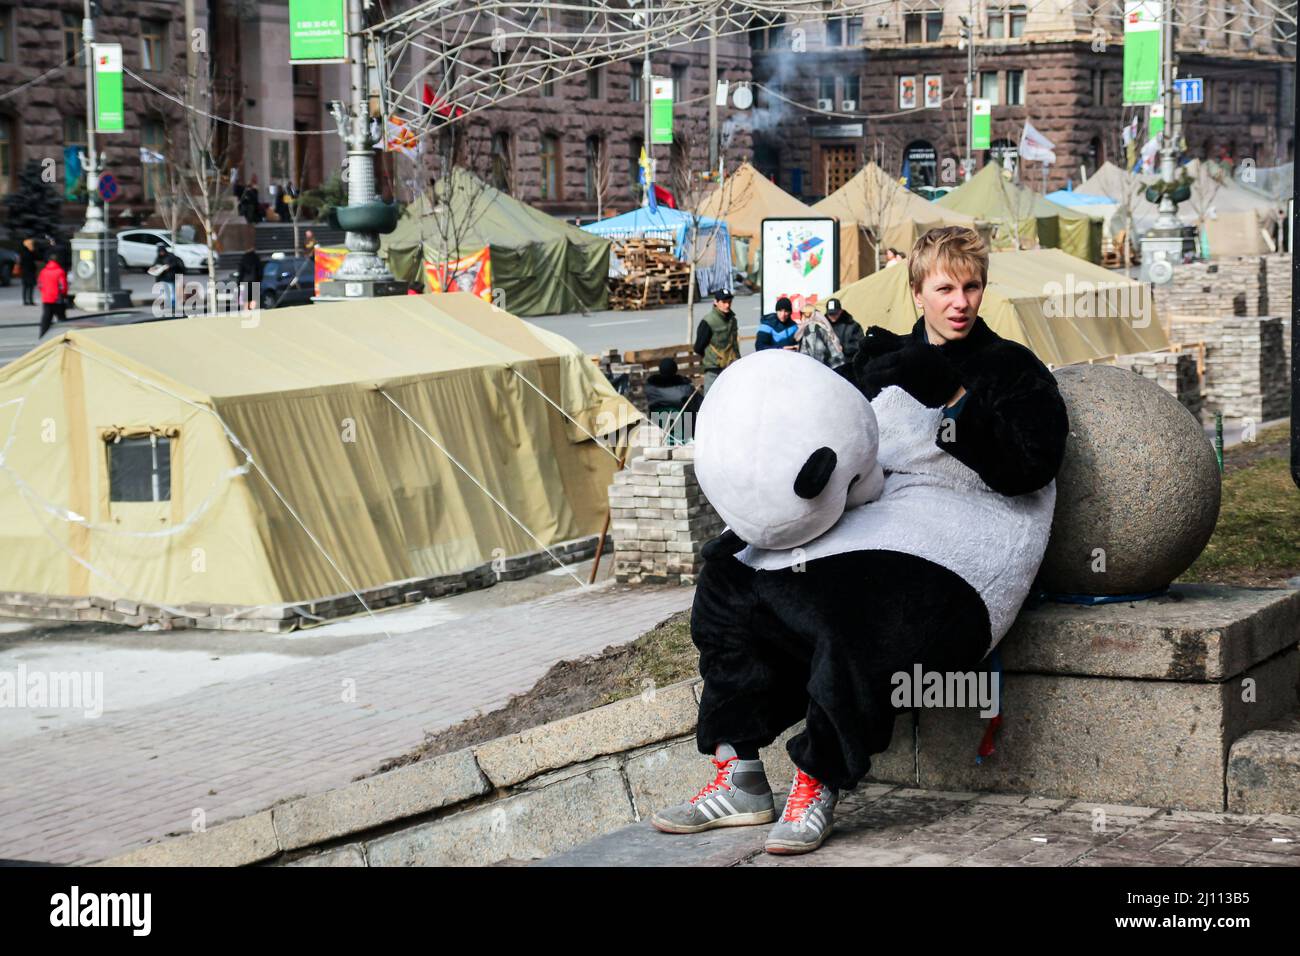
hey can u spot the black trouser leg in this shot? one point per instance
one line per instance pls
(47, 317)
(864, 617)
(29, 292)
(754, 677)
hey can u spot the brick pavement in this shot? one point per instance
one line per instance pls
(109, 785)
(882, 825)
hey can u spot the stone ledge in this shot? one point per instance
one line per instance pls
(1264, 769)
(237, 843)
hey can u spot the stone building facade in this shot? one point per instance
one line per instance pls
(1057, 66)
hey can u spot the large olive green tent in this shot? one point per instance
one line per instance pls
(540, 265)
(216, 461)
(1064, 309)
(1022, 218)
(873, 199)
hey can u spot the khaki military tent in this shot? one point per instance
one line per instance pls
(745, 199)
(1064, 309)
(873, 197)
(1022, 218)
(540, 265)
(202, 461)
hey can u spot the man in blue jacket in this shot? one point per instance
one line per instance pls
(777, 329)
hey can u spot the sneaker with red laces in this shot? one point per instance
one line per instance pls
(738, 796)
(807, 820)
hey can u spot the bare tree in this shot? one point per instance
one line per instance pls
(458, 195)
(880, 199)
(204, 169)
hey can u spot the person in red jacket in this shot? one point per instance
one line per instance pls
(53, 283)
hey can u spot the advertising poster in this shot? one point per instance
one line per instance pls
(933, 91)
(1141, 51)
(317, 31)
(981, 115)
(799, 259)
(327, 263)
(472, 273)
(109, 117)
(907, 92)
(661, 110)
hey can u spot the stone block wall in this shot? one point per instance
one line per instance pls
(1247, 364)
(1227, 286)
(1175, 372)
(659, 518)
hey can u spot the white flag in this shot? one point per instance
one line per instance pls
(1036, 147)
(150, 156)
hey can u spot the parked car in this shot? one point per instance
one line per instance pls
(138, 249)
(288, 280)
(8, 266)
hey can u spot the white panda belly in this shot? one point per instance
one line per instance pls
(936, 508)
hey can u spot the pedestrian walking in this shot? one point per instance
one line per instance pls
(166, 269)
(717, 337)
(250, 272)
(53, 283)
(27, 270)
(846, 328)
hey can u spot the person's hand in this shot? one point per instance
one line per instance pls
(920, 370)
(878, 341)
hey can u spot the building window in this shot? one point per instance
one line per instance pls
(153, 34)
(933, 26)
(826, 89)
(989, 88)
(843, 31)
(6, 34)
(912, 28)
(6, 154)
(72, 38)
(74, 130)
(1095, 84)
(151, 138)
(1015, 87)
(550, 168)
(852, 88)
(591, 182)
(595, 83)
(679, 82)
(997, 24)
(637, 82)
(1016, 20)
(548, 84)
(140, 469)
(501, 161)
(852, 31)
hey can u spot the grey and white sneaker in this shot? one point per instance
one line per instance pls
(739, 796)
(808, 817)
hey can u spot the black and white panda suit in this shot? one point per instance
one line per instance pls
(932, 573)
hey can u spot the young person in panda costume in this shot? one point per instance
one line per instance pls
(885, 515)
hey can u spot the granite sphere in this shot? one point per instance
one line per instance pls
(1137, 496)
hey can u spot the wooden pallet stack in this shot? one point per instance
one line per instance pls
(654, 275)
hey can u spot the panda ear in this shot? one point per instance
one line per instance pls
(814, 474)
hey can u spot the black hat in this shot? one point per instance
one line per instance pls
(668, 367)
(784, 303)
(721, 295)
(834, 306)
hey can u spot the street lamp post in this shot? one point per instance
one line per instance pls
(94, 278)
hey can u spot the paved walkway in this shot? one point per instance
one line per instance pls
(880, 825)
(233, 749)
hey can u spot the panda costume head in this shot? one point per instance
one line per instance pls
(783, 446)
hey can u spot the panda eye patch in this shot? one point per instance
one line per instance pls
(815, 473)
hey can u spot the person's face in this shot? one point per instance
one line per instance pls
(949, 305)
(834, 316)
(783, 315)
(722, 305)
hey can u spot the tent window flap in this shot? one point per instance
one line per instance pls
(140, 469)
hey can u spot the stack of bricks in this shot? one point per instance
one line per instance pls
(659, 518)
(612, 364)
(1277, 284)
(1175, 372)
(1247, 374)
(1228, 286)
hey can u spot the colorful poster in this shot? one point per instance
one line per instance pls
(799, 259)
(472, 273)
(317, 31)
(933, 91)
(907, 92)
(661, 110)
(109, 117)
(400, 138)
(1156, 120)
(981, 116)
(1141, 51)
(327, 263)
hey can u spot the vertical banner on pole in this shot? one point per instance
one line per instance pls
(318, 31)
(661, 110)
(1156, 120)
(981, 117)
(1142, 51)
(109, 117)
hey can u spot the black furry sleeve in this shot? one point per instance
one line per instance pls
(1012, 426)
(703, 334)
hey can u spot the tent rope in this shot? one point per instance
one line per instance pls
(480, 485)
(525, 380)
(251, 461)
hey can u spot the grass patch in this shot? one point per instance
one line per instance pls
(663, 656)
(1256, 542)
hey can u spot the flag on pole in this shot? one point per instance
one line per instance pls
(664, 196)
(1036, 147)
(644, 165)
(440, 106)
(400, 138)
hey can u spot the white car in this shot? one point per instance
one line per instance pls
(138, 249)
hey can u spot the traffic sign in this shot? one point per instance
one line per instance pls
(1190, 90)
(107, 186)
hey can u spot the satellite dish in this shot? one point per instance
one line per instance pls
(743, 98)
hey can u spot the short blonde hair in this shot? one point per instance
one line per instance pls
(957, 250)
